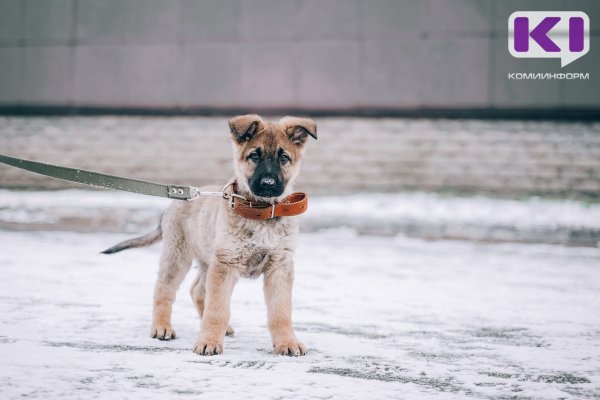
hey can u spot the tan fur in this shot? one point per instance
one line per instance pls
(228, 246)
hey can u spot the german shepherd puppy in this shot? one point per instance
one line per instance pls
(226, 246)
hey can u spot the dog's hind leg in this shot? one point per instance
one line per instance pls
(198, 290)
(198, 293)
(175, 262)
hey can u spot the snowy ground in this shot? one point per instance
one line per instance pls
(416, 214)
(383, 317)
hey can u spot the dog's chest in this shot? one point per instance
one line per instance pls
(255, 263)
(255, 245)
(252, 258)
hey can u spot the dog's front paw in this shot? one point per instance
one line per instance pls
(162, 332)
(289, 348)
(208, 347)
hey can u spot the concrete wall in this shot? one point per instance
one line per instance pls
(303, 54)
(352, 154)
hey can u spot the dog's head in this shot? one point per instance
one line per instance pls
(267, 154)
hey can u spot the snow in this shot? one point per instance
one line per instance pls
(383, 317)
(433, 207)
(78, 198)
(418, 214)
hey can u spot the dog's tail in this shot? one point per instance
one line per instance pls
(142, 241)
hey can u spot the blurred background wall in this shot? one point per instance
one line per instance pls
(316, 57)
(279, 54)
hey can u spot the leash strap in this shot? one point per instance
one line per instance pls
(106, 181)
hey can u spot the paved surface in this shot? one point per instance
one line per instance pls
(383, 318)
(511, 158)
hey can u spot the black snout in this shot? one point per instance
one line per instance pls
(266, 180)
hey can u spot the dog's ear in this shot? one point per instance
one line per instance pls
(244, 127)
(298, 129)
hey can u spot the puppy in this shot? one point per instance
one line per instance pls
(227, 245)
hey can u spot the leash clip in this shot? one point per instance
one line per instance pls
(196, 193)
(230, 197)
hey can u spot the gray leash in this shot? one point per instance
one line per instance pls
(110, 181)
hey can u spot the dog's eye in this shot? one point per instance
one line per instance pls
(254, 156)
(284, 159)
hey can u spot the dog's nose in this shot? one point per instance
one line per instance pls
(267, 182)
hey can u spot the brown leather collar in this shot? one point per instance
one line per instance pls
(294, 204)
